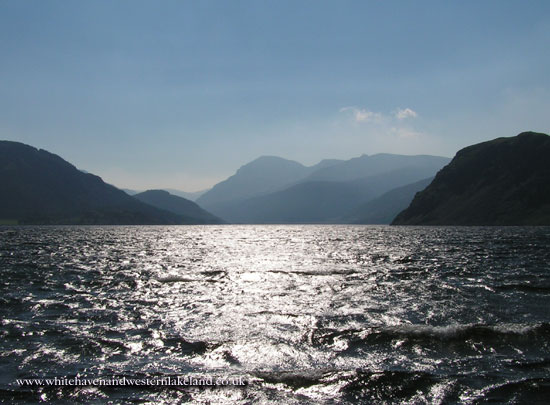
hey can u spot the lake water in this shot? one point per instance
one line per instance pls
(299, 314)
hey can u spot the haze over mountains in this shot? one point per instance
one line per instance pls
(501, 182)
(505, 181)
(275, 190)
(42, 188)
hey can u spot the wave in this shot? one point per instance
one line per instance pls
(303, 378)
(459, 332)
(412, 386)
(528, 390)
(209, 277)
(188, 347)
(177, 279)
(316, 272)
(524, 287)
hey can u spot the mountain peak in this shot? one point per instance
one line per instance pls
(259, 176)
(268, 162)
(269, 158)
(532, 134)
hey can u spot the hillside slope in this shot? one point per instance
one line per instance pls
(188, 210)
(39, 187)
(505, 181)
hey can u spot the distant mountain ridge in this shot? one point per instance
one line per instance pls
(39, 187)
(505, 181)
(373, 165)
(188, 195)
(276, 190)
(263, 175)
(184, 194)
(189, 210)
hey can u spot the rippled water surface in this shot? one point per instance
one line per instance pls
(304, 314)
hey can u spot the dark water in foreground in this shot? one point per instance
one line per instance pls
(305, 314)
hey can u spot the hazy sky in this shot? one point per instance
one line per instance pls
(155, 94)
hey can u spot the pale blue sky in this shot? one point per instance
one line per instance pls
(157, 94)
